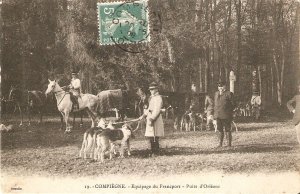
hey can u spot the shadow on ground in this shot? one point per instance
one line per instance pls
(252, 148)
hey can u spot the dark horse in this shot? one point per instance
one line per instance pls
(27, 101)
(121, 101)
(142, 101)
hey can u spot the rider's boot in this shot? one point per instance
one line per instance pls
(229, 138)
(75, 105)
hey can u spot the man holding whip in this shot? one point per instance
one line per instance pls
(154, 125)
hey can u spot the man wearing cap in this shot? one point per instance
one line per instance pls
(294, 107)
(75, 89)
(223, 112)
(154, 124)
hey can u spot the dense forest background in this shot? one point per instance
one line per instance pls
(192, 41)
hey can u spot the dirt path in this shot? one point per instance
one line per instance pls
(258, 148)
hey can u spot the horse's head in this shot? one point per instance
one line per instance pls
(51, 87)
(142, 95)
(12, 93)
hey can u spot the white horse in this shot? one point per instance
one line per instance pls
(89, 102)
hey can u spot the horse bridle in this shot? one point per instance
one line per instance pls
(62, 97)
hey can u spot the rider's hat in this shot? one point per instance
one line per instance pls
(221, 83)
(74, 72)
(153, 85)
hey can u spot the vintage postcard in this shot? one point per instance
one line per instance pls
(150, 96)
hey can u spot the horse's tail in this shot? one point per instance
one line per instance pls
(94, 106)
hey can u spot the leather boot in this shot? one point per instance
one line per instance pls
(151, 146)
(221, 138)
(74, 102)
(156, 146)
(229, 138)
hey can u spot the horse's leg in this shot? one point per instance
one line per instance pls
(122, 114)
(29, 116)
(61, 121)
(68, 127)
(15, 109)
(136, 111)
(92, 115)
(81, 118)
(175, 123)
(74, 115)
(41, 115)
(141, 110)
(21, 114)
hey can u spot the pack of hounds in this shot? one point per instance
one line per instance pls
(190, 121)
(244, 110)
(105, 139)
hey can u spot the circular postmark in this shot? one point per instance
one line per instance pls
(135, 26)
(132, 21)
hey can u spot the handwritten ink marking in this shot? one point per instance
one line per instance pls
(16, 188)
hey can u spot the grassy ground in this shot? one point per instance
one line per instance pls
(268, 146)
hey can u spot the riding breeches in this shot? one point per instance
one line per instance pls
(224, 123)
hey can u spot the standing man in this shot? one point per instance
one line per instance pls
(294, 107)
(223, 112)
(75, 90)
(194, 100)
(209, 110)
(154, 124)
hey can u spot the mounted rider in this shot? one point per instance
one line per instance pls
(75, 89)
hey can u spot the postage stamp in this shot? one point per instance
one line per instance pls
(123, 22)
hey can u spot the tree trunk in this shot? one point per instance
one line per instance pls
(238, 5)
(272, 85)
(278, 81)
(282, 72)
(1, 73)
(259, 80)
(200, 75)
(206, 76)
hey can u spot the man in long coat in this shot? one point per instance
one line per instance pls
(223, 112)
(154, 124)
(294, 107)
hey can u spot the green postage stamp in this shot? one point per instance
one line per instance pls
(123, 22)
